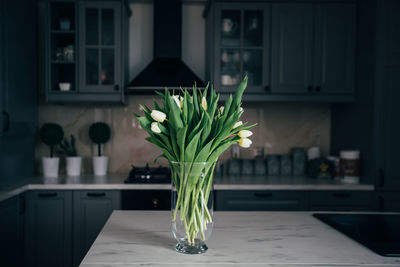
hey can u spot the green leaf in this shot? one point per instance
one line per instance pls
(172, 135)
(181, 138)
(192, 147)
(218, 151)
(145, 123)
(238, 95)
(174, 113)
(204, 152)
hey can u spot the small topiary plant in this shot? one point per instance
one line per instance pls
(99, 133)
(68, 147)
(51, 134)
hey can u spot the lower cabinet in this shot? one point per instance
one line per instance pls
(258, 200)
(48, 232)
(91, 210)
(11, 231)
(340, 200)
(387, 201)
(61, 225)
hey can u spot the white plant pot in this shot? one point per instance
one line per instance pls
(100, 165)
(74, 166)
(50, 166)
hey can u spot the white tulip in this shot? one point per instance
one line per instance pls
(245, 133)
(237, 124)
(178, 100)
(155, 128)
(158, 115)
(204, 103)
(241, 109)
(221, 109)
(245, 142)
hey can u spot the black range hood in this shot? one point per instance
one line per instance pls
(167, 68)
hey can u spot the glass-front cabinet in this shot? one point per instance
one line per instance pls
(241, 46)
(99, 41)
(82, 44)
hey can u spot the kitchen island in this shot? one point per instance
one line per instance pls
(136, 238)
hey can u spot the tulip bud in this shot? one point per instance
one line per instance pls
(178, 100)
(245, 142)
(155, 128)
(221, 109)
(245, 133)
(204, 103)
(158, 115)
(237, 124)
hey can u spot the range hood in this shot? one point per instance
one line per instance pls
(167, 68)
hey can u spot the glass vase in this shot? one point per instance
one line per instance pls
(192, 205)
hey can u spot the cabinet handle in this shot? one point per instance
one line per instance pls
(102, 194)
(263, 194)
(341, 195)
(381, 177)
(267, 88)
(6, 121)
(116, 87)
(47, 194)
(318, 89)
(310, 88)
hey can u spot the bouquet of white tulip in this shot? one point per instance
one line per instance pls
(191, 129)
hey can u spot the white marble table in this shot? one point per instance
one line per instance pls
(143, 238)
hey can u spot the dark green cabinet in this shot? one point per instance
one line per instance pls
(11, 231)
(83, 50)
(340, 200)
(254, 200)
(387, 96)
(91, 211)
(292, 43)
(313, 49)
(48, 228)
(242, 46)
(334, 57)
(387, 201)
(18, 86)
(289, 51)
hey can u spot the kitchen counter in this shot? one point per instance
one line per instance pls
(135, 238)
(116, 182)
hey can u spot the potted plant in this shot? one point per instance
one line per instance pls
(73, 161)
(100, 133)
(51, 134)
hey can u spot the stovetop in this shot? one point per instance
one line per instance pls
(378, 232)
(150, 175)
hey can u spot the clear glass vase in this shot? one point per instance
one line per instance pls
(192, 205)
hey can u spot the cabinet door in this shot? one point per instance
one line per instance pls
(100, 47)
(18, 86)
(11, 231)
(49, 228)
(241, 200)
(291, 68)
(91, 211)
(388, 95)
(242, 46)
(334, 48)
(341, 200)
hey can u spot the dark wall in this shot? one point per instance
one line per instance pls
(352, 124)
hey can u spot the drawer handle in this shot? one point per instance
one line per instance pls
(263, 194)
(341, 195)
(96, 194)
(47, 194)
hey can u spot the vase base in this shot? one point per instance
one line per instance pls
(199, 247)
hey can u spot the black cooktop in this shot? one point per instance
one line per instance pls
(378, 232)
(158, 175)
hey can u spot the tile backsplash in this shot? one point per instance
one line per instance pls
(281, 126)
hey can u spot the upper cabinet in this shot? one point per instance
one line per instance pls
(289, 51)
(242, 46)
(83, 44)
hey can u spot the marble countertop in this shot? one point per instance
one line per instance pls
(136, 238)
(9, 188)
